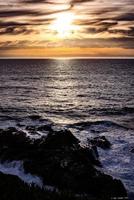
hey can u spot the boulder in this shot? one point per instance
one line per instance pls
(11, 187)
(46, 127)
(60, 139)
(60, 160)
(12, 137)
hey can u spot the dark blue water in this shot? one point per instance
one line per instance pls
(70, 91)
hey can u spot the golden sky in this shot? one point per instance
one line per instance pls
(82, 28)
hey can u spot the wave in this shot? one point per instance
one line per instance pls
(16, 168)
(111, 111)
(33, 128)
(88, 124)
(17, 87)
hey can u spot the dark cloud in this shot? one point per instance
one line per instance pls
(34, 1)
(31, 22)
(107, 24)
(80, 1)
(12, 23)
(103, 27)
(86, 22)
(19, 12)
(41, 1)
(123, 42)
(29, 12)
(125, 17)
(15, 30)
(100, 17)
(41, 21)
(105, 10)
(97, 26)
(129, 32)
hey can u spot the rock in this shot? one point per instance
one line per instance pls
(100, 141)
(60, 139)
(111, 187)
(46, 127)
(11, 137)
(60, 161)
(11, 187)
(88, 154)
(13, 143)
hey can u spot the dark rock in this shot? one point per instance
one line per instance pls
(46, 127)
(88, 154)
(11, 137)
(12, 143)
(107, 186)
(60, 160)
(10, 130)
(12, 188)
(60, 139)
(100, 141)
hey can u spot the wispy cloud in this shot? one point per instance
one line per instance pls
(101, 23)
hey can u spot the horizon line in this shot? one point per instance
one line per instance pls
(68, 57)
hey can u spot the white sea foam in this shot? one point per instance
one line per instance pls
(16, 168)
(117, 161)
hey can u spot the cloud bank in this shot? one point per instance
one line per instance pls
(102, 23)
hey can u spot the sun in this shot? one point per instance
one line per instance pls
(63, 25)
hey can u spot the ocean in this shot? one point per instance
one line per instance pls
(91, 97)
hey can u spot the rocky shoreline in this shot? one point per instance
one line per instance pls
(56, 156)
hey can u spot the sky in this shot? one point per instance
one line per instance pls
(66, 28)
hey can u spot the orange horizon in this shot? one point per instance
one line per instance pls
(66, 52)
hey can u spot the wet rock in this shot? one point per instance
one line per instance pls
(11, 137)
(107, 186)
(13, 188)
(100, 141)
(87, 154)
(59, 160)
(12, 143)
(60, 139)
(46, 127)
(63, 169)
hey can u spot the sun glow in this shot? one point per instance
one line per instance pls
(63, 25)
